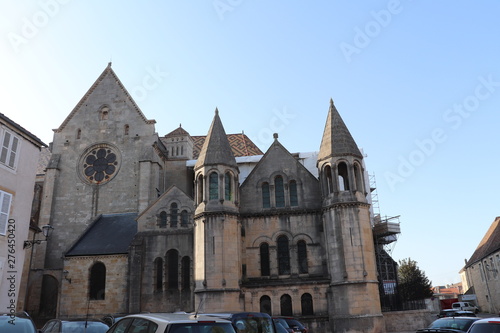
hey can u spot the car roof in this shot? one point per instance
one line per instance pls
(176, 317)
(488, 320)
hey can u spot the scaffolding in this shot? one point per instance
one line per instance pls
(385, 233)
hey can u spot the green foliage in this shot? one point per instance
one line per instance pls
(413, 284)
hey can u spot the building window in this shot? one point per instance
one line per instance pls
(162, 221)
(264, 260)
(283, 256)
(293, 193)
(265, 304)
(186, 273)
(302, 256)
(173, 269)
(97, 282)
(228, 192)
(358, 179)
(184, 218)
(78, 134)
(158, 274)
(104, 113)
(126, 129)
(199, 185)
(213, 185)
(343, 177)
(279, 191)
(173, 215)
(306, 303)
(10, 147)
(286, 305)
(266, 198)
(5, 199)
(329, 179)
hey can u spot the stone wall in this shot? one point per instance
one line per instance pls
(407, 321)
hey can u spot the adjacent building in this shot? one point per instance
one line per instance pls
(19, 156)
(175, 222)
(480, 275)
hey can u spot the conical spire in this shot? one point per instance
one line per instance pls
(337, 141)
(216, 148)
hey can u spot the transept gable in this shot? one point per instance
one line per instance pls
(108, 75)
(278, 159)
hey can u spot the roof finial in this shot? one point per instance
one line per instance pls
(216, 111)
(180, 124)
(275, 136)
(109, 64)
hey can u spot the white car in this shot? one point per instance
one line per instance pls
(488, 325)
(171, 323)
(465, 306)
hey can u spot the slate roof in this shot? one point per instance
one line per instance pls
(488, 245)
(108, 234)
(21, 131)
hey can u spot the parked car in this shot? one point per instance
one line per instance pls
(450, 324)
(171, 323)
(19, 322)
(75, 326)
(465, 306)
(248, 321)
(291, 324)
(455, 313)
(487, 325)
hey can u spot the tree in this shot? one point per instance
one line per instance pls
(413, 284)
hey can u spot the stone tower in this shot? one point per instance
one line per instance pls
(353, 298)
(217, 233)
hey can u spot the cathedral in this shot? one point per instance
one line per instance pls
(160, 223)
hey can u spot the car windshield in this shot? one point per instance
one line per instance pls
(84, 327)
(462, 324)
(253, 323)
(486, 328)
(201, 327)
(10, 324)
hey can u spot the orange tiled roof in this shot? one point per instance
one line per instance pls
(241, 145)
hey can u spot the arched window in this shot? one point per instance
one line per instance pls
(329, 179)
(294, 201)
(302, 256)
(104, 113)
(126, 129)
(184, 218)
(172, 269)
(266, 198)
(162, 220)
(286, 305)
(173, 215)
(358, 179)
(279, 191)
(306, 303)
(283, 256)
(264, 260)
(97, 281)
(213, 186)
(200, 189)
(186, 273)
(177, 151)
(182, 150)
(78, 134)
(228, 191)
(265, 304)
(158, 274)
(343, 177)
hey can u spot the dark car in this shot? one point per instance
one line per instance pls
(455, 313)
(248, 321)
(75, 326)
(487, 325)
(450, 324)
(19, 322)
(291, 324)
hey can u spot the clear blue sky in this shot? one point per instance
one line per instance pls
(417, 83)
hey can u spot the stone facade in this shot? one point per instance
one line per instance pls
(219, 225)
